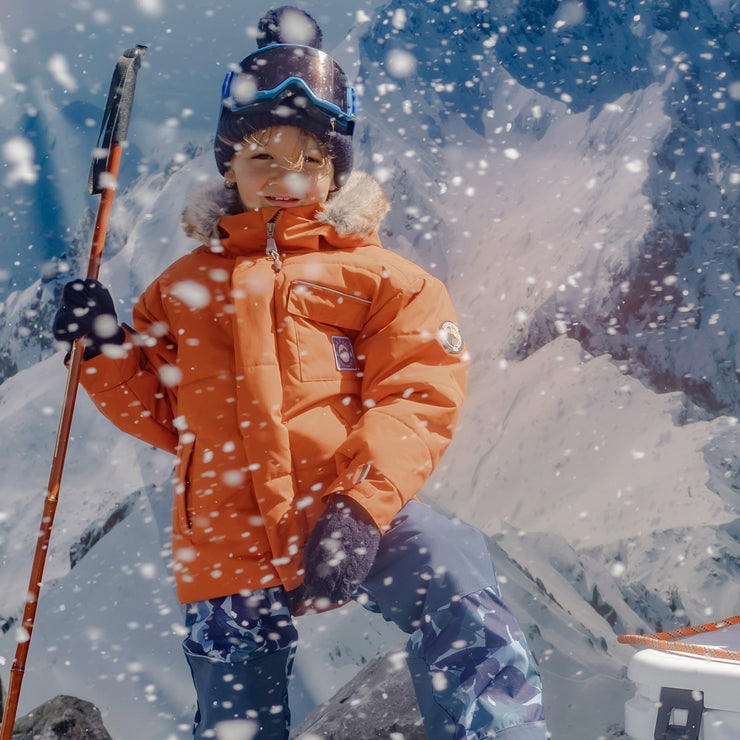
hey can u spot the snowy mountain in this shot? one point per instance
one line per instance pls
(572, 171)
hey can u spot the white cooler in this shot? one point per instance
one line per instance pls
(680, 697)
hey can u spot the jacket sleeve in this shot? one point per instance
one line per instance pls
(129, 389)
(413, 389)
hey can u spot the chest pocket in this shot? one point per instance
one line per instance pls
(326, 321)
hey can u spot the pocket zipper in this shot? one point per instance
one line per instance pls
(306, 284)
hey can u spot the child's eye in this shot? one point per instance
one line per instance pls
(261, 155)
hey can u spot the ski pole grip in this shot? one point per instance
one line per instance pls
(128, 66)
(114, 127)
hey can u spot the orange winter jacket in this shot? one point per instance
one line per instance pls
(332, 366)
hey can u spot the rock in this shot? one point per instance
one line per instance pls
(378, 703)
(62, 717)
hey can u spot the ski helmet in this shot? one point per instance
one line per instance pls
(289, 80)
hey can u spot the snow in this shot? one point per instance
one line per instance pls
(603, 444)
(598, 446)
(30, 404)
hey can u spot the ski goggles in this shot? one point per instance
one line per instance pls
(276, 71)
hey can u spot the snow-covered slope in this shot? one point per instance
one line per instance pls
(571, 170)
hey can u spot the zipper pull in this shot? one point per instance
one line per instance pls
(271, 249)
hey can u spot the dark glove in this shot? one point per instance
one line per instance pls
(340, 550)
(87, 310)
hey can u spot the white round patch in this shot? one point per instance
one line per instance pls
(451, 337)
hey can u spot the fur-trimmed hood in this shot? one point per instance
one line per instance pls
(358, 208)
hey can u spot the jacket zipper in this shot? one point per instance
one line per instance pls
(271, 248)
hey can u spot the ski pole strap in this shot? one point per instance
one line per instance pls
(114, 126)
(665, 641)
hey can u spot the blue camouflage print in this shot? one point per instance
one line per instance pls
(240, 628)
(473, 673)
(483, 674)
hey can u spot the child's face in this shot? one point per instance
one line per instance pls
(287, 169)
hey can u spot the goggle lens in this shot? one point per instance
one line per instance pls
(269, 72)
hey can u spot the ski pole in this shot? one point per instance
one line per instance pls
(102, 181)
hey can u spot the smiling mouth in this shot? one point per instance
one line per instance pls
(281, 198)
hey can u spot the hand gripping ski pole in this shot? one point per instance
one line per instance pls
(103, 174)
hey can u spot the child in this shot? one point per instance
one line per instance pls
(308, 382)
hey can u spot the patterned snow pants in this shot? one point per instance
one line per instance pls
(472, 671)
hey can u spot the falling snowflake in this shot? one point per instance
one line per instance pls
(18, 152)
(400, 63)
(191, 293)
(59, 69)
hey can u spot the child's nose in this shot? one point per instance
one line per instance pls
(296, 183)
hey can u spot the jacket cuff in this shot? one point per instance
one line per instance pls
(102, 372)
(376, 495)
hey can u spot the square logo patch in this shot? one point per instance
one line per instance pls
(344, 353)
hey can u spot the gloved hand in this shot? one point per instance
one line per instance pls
(87, 310)
(340, 550)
